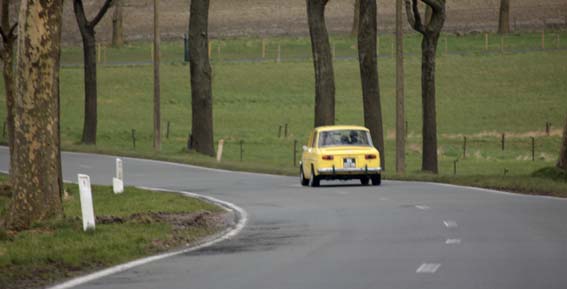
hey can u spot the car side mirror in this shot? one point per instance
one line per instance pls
(305, 148)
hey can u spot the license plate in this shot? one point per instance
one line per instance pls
(349, 163)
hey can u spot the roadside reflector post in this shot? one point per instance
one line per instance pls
(219, 150)
(86, 202)
(118, 181)
(503, 141)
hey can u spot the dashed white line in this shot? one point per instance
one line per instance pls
(450, 224)
(428, 268)
(422, 207)
(85, 167)
(384, 199)
(453, 241)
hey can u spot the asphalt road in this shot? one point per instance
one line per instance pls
(345, 236)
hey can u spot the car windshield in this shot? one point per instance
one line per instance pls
(344, 138)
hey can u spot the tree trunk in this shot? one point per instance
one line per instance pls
(428, 50)
(90, 116)
(369, 74)
(87, 29)
(504, 18)
(400, 109)
(323, 63)
(117, 25)
(430, 31)
(37, 167)
(356, 18)
(7, 55)
(201, 88)
(562, 163)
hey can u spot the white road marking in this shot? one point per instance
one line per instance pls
(384, 199)
(85, 167)
(343, 193)
(428, 268)
(226, 235)
(450, 224)
(453, 241)
(423, 207)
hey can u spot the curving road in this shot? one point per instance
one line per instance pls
(399, 235)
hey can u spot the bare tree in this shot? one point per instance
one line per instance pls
(201, 88)
(356, 17)
(562, 162)
(504, 18)
(430, 31)
(367, 59)
(87, 29)
(323, 63)
(37, 167)
(117, 24)
(400, 109)
(8, 33)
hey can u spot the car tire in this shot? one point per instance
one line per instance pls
(376, 179)
(314, 180)
(302, 179)
(364, 181)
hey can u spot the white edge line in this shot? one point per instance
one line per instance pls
(483, 190)
(243, 219)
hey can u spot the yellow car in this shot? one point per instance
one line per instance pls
(340, 153)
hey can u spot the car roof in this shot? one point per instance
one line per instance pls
(340, 127)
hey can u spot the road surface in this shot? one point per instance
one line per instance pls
(400, 235)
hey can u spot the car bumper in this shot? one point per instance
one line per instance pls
(335, 171)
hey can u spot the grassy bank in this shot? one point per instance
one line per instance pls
(134, 224)
(479, 96)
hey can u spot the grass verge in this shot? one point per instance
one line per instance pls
(131, 225)
(481, 96)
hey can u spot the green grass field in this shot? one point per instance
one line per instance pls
(478, 95)
(35, 257)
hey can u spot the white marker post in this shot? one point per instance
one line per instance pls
(219, 150)
(86, 202)
(118, 181)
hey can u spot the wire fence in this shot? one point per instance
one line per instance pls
(278, 50)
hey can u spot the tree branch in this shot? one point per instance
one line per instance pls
(4, 36)
(437, 16)
(80, 14)
(414, 19)
(436, 5)
(101, 13)
(12, 33)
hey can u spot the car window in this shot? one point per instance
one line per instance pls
(344, 138)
